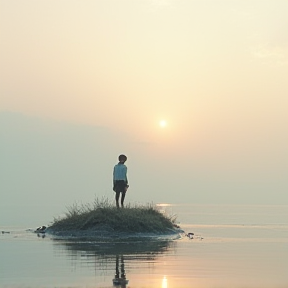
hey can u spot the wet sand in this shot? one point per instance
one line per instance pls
(108, 235)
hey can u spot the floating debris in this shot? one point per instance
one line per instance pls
(190, 235)
(41, 229)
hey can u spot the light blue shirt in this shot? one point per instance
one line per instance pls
(120, 172)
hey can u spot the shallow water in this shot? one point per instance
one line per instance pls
(233, 246)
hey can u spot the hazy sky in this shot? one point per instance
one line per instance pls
(82, 81)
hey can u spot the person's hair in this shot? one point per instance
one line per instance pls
(122, 157)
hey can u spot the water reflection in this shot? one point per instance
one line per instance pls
(164, 282)
(120, 281)
(114, 258)
(145, 250)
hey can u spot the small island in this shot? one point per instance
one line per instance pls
(102, 220)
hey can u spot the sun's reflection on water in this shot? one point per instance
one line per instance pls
(164, 282)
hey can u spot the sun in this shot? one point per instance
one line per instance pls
(163, 123)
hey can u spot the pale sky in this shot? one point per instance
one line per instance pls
(109, 71)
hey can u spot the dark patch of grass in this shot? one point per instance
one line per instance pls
(145, 219)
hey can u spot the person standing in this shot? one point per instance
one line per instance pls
(120, 181)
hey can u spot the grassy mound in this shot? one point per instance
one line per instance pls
(104, 215)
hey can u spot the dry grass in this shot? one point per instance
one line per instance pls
(101, 213)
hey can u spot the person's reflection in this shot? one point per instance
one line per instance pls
(120, 281)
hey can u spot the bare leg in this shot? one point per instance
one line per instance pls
(123, 198)
(117, 198)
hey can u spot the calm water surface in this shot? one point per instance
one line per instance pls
(233, 246)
